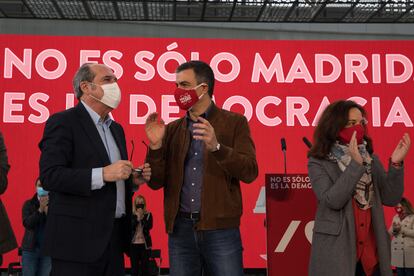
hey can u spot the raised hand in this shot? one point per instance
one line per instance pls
(204, 131)
(140, 214)
(353, 149)
(396, 227)
(43, 202)
(155, 130)
(120, 170)
(401, 149)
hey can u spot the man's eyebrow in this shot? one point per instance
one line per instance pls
(110, 77)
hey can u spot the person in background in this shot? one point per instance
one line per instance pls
(7, 239)
(402, 245)
(351, 185)
(141, 238)
(34, 220)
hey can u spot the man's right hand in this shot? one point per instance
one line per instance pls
(120, 170)
(155, 130)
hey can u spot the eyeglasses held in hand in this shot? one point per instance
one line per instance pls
(138, 170)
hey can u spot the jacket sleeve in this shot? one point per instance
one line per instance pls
(31, 216)
(409, 232)
(56, 158)
(156, 160)
(390, 229)
(147, 222)
(334, 194)
(391, 184)
(239, 161)
(4, 165)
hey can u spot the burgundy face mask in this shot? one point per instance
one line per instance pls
(186, 98)
(345, 134)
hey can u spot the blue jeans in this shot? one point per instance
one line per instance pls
(34, 264)
(218, 252)
(408, 271)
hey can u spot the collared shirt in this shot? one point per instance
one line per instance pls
(190, 201)
(102, 125)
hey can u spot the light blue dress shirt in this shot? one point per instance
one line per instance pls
(114, 155)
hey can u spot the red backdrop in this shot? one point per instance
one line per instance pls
(281, 86)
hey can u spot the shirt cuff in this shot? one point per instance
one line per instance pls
(97, 179)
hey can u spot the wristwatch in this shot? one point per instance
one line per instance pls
(217, 147)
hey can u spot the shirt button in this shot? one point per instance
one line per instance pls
(192, 184)
(362, 225)
(192, 200)
(196, 153)
(360, 242)
(194, 168)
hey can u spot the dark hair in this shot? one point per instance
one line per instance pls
(84, 73)
(38, 179)
(333, 120)
(407, 205)
(202, 71)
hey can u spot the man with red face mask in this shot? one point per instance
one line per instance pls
(200, 160)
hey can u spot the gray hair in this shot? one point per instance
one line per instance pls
(84, 73)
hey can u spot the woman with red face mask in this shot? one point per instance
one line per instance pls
(402, 245)
(351, 186)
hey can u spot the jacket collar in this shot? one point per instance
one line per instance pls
(91, 131)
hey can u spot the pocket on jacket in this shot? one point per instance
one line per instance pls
(327, 227)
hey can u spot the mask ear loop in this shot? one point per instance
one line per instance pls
(199, 98)
(92, 96)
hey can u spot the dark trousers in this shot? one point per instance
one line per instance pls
(405, 271)
(111, 263)
(359, 271)
(139, 260)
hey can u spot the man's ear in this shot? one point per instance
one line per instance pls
(205, 88)
(84, 87)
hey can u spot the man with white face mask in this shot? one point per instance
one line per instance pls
(84, 167)
(200, 160)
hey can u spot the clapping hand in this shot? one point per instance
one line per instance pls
(353, 149)
(401, 149)
(204, 131)
(43, 203)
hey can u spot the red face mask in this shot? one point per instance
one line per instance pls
(399, 210)
(186, 98)
(345, 134)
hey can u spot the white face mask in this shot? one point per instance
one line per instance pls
(112, 95)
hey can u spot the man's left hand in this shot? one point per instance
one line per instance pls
(204, 131)
(141, 178)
